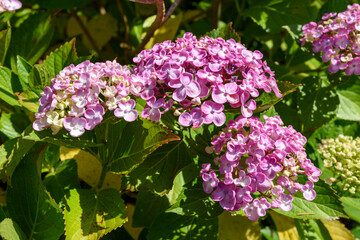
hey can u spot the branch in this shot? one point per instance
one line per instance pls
(157, 23)
(171, 10)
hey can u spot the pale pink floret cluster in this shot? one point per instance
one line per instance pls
(198, 78)
(257, 166)
(337, 36)
(9, 5)
(80, 95)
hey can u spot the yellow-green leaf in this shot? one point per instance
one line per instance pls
(337, 230)
(238, 227)
(285, 226)
(167, 31)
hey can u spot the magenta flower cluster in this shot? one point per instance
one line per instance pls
(257, 165)
(198, 78)
(80, 95)
(10, 5)
(337, 36)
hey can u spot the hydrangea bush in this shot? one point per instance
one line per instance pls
(178, 126)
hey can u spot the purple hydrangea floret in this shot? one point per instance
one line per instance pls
(337, 37)
(196, 78)
(257, 166)
(80, 95)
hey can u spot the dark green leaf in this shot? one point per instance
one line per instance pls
(193, 201)
(9, 84)
(266, 100)
(52, 155)
(172, 226)
(312, 229)
(29, 205)
(61, 138)
(317, 104)
(117, 234)
(138, 139)
(32, 38)
(148, 207)
(159, 169)
(349, 95)
(5, 37)
(63, 178)
(91, 215)
(326, 205)
(272, 15)
(10, 230)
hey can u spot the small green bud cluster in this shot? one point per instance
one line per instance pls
(342, 156)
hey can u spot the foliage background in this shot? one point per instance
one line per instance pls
(56, 187)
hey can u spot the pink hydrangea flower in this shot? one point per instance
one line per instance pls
(336, 37)
(255, 164)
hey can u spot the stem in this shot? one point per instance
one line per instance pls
(171, 10)
(157, 23)
(216, 14)
(88, 35)
(126, 27)
(102, 176)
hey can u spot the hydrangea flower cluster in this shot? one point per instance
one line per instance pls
(342, 156)
(195, 78)
(9, 5)
(257, 166)
(80, 95)
(337, 36)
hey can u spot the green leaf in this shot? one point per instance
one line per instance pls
(64, 178)
(61, 138)
(159, 169)
(266, 100)
(352, 207)
(130, 152)
(272, 15)
(312, 229)
(19, 149)
(271, 112)
(29, 99)
(197, 140)
(10, 230)
(7, 126)
(226, 32)
(148, 207)
(5, 38)
(59, 59)
(30, 205)
(172, 226)
(4, 18)
(52, 156)
(91, 215)
(39, 76)
(23, 69)
(32, 38)
(349, 96)
(193, 201)
(326, 205)
(317, 104)
(9, 83)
